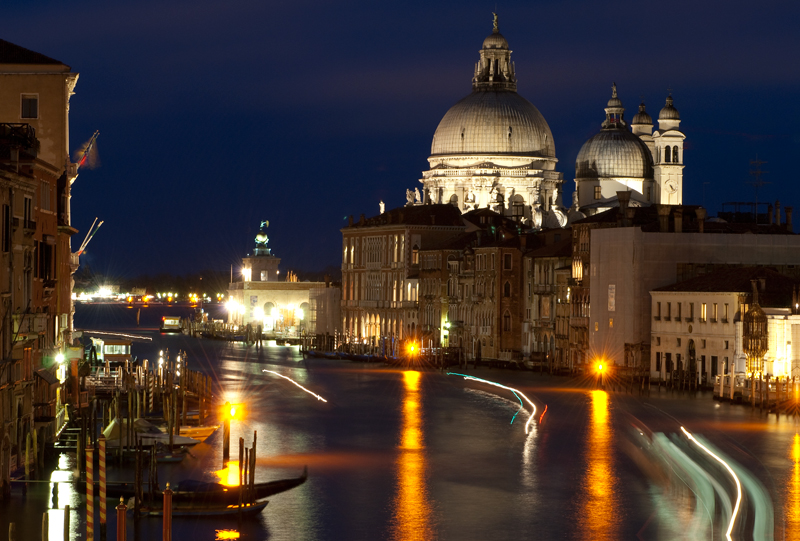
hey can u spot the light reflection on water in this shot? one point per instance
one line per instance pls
(412, 511)
(793, 494)
(67, 495)
(229, 475)
(598, 517)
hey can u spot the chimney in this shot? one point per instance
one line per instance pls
(701, 218)
(630, 212)
(327, 280)
(770, 218)
(350, 221)
(663, 218)
(624, 199)
(777, 212)
(754, 283)
(678, 218)
(789, 219)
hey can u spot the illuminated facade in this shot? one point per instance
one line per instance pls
(380, 270)
(282, 308)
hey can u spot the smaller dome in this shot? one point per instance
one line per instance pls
(642, 117)
(614, 101)
(495, 41)
(669, 112)
(614, 153)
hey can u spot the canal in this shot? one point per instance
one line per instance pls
(423, 454)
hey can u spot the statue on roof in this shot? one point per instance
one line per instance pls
(495, 24)
(417, 197)
(382, 206)
(262, 239)
(409, 197)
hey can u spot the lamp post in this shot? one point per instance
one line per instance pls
(226, 434)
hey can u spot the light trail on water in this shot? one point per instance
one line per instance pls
(735, 478)
(293, 381)
(515, 391)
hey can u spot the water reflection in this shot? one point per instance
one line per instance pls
(599, 513)
(411, 508)
(65, 494)
(229, 475)
(793, 495)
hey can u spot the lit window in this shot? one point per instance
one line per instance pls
(611, 323)
(597, 192)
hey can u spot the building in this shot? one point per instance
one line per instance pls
(380, 270)
(493, 149)
(281, 308)
(630, 261)
(697, 324)
(547, 309)
(37, 264)
(647, 164)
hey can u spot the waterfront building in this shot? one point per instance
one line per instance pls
(287, 307)
(545, 336)
(698, 323)
(35, 174)
(380, 270)
(650, 251)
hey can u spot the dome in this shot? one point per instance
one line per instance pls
(493, 122)
(614, 153)
(642, 117)
(669, 112)
(495, 41)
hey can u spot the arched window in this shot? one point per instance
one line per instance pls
(666, 154)
(507, 321)
(454, 197)
(507, 289)
(675, 155)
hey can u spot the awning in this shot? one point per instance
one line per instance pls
(47, 376)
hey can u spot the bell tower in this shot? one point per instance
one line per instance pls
(668, 156)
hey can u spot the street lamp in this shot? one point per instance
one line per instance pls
(229, 411)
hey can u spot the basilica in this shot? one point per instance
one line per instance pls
(494, 149)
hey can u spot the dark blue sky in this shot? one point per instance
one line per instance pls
(215, 115)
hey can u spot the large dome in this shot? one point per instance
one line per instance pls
(493, 122)
(614, 153)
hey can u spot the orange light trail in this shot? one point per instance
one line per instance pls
(735, 478)
(533, 406)
(293, 381)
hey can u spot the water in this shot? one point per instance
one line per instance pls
(402, 454)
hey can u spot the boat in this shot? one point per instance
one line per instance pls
(191, 491)
(170, 324)
(201, 510)
(147, 434)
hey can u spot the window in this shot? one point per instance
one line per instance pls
(415, 255)
(703, 312)
(714, 318)
(493, 262)
(30, 106)
(611, 323)
(506, 322)
(597, 192)
(658, 361)
(507, 289)
(675, 155)
(679, 342)
(703, 343)
(658, 310)
(666, 154)
(691, 311)
(27, 210)
(6, 228)
(680, 304)
(726, 344)
(658, 340)
(506, 261)
(596, 326)
(669, 311)
(44, 196)
(725, 314)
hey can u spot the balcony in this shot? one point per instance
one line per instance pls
(28, 227)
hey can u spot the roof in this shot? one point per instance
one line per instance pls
(433, 215)
(776, 291)
(47, 376)
(14, 54)
(562, 248)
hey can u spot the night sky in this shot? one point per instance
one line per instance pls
(215, 115)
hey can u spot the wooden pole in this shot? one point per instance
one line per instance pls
(102, 471)
(89, 493)
(66, 523)
(45, 526)
(253, 466)
(167, 525)
(241, 464)
(226, 434)
(122, 515)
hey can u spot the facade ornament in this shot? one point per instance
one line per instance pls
(537, 217)
(417, 197)
(509, 196)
